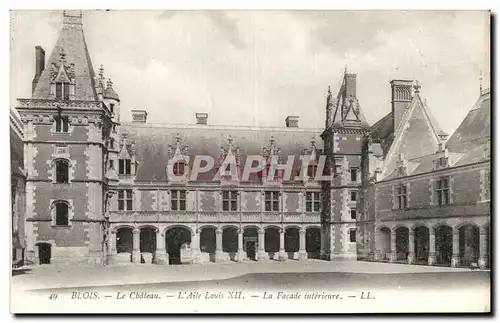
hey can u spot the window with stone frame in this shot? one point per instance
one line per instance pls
(354, 214)
(272, 201)
(125, 200)
(112, 164)
(178, 168)
(354, 196)
(62, 124)
(62, 171)
(352, 235)
(442, 190)
(401, 197)
(111, 143)
(62, 214)
(62, 91)
(178, 200)
(354, 174)
(124, 166)
(313, 203)
(230, 201)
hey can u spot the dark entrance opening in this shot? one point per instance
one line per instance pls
(251, 250)
(175, 238)
(44, 251)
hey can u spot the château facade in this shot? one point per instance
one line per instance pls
(102, 191)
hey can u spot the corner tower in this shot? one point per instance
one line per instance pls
(345, 129)
(66, 127)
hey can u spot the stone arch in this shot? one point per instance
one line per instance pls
(147, 226)
(178, 226)
(208, 236)
(466, 223)
(208, 226)
(293, 226)
(441, 224)
(399, 226)
(272, 226)
(251, 226)
(312, 226)
(121, 226)
(225, 226)
(419, 224)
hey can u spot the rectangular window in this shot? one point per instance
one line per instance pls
(354, 196)
(352, 235)
(111, 164)
(178, 200)
(112, 107)
(272, 201)
(59, 91)
(230, 201)
(401, 197)
(443, 191)
(124, 167)
(62, 214)
(66, 91)
(62, 124)
(125, 200)
(178, 169)
(353, 214)
(354, 174)
(62, 171)
(312, 202)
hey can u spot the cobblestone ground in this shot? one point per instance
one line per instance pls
(49, 276)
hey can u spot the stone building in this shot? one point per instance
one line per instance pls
(425, 199)
(18, 189)
(100, 191)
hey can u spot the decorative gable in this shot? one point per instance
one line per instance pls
(178, 162)
(272, 157)
(442, 159)
(230, 163)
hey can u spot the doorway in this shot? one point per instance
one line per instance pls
(44, 253)
(251, 250)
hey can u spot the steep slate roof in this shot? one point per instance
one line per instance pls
(152, 144)
(72, 42)
(417, 135)
(475, 129)
(469, 144)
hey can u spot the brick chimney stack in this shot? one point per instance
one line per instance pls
(400, 99)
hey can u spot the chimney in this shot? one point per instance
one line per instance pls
(39, 65)
(201, 118)
(350, 85)
(400, 98)
(292, 122)
(139, 116)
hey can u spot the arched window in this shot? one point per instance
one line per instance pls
(62, 171)
(62, 216)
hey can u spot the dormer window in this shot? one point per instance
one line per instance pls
(62, 123)
(112, 143)
(442, 161)
(124, 167)
(178, 169)
(311, 170)
(62, 91)
(112, 107)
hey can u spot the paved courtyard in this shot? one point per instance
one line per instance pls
(49, 276)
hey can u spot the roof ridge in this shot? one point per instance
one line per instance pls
(235, 127)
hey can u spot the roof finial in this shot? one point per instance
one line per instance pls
(177, 139)
(480, 82)
(313, 141)
(62, 55)
(417, 87)
(110, 83)
(230, 141)
(345, 69)
(329, 90)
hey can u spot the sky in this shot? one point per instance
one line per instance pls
(255, 68)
